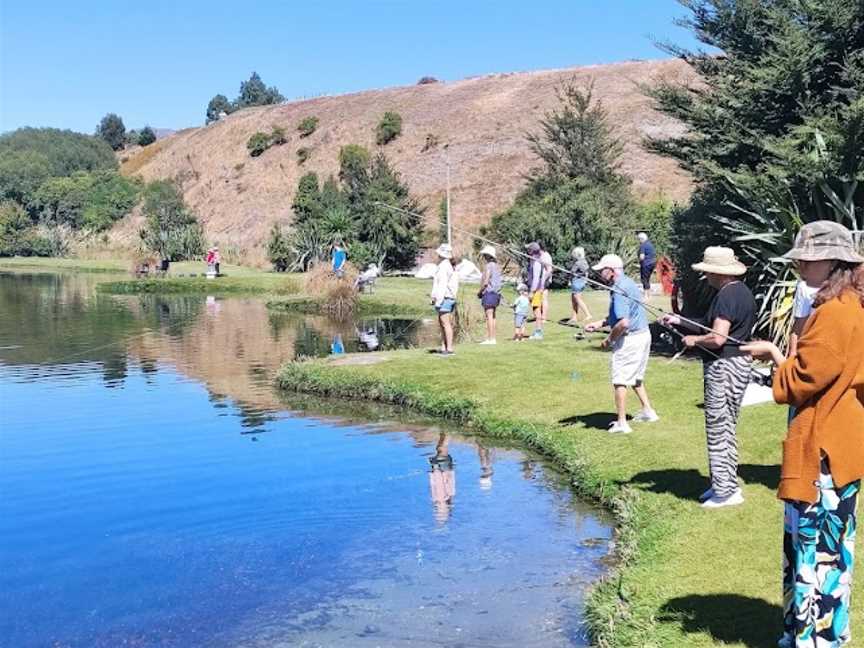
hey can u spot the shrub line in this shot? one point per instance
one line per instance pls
(607, 605)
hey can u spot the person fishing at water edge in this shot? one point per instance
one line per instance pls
(490, 290)
(535, 287)
(823, 454)
(726, 368)
(445, 288)
(630, 341)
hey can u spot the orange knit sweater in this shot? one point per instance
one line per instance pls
(825, 382)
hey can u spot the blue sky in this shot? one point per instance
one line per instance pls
(66, 64)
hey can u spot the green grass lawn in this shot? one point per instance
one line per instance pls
(696, 578)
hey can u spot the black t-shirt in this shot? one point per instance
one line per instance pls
(736, 304)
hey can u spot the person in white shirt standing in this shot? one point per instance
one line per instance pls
(546, 262)
(445, 288)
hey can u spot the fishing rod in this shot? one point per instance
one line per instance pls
(655, 310)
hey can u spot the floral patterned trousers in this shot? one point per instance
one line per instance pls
(818, 552)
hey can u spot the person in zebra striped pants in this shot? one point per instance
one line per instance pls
(726, 369)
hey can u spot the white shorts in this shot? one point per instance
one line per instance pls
(630, 358)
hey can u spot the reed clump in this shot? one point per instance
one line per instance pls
(337, 295)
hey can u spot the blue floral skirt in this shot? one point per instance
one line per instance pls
(818, 553)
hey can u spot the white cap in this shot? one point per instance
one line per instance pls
(611, 261)
(489, 251)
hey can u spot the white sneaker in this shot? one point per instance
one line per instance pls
(489, 342)
(618, 428)
(646, 416)
(734, 499)
(708, 494)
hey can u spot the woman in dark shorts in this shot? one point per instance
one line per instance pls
(490, 290)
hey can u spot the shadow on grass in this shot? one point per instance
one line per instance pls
(767, 475)
(594, 420)
(684, 484)
(730, 618)
(690, 483)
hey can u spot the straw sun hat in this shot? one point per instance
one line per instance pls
(824, 241)
(721, 261)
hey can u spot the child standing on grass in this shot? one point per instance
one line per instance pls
(521, 308)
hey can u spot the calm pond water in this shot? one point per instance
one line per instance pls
(155, 490)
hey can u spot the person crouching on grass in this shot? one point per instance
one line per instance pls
(445, 288)
(823, 454)
(629, 339)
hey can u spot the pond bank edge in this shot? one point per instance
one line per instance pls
(608, 613)
(195, 285)
(365, 306)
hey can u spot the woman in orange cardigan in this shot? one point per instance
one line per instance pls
(823, 454)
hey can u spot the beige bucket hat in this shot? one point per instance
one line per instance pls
(720, 260)
(489, 250)
(823, 241)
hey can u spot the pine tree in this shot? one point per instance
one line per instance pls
(775, 126)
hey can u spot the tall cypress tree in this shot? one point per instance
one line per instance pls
(775, 127)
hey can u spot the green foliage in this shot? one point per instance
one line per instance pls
(389, 128)
(30, 156)
(442, 220)
(260, 142)
(18, 236)
(279, 249)
(254, 93)
(576, 139)
(307, 126)
(577, 197)
(146, 136)
(112, 130)
(353, 211)
(217, 106)
(655, 218)
(92, 201)
(278, 136)
(774, 133)
(353, 166)
(303, 154)
(171, 230)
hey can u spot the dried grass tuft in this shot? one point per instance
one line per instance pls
(337, 295)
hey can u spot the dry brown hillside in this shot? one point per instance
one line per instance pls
(483, 120)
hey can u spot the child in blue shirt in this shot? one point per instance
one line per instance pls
(521, 309)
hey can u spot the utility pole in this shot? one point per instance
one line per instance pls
(447, 162)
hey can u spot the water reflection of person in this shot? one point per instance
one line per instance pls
(486, 468)
(442, 480)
